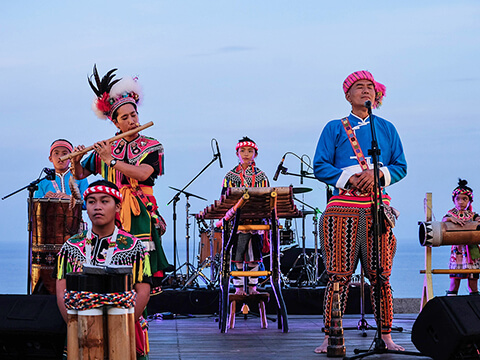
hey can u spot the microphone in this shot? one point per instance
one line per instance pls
(219, 156)
(50, 173)
(279, 168)
(368, 104)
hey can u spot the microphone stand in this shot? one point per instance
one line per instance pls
(379, 344)
(32, 187)
(175, 199)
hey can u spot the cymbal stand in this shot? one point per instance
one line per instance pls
(310, 266)
(216, 156)
(187, 263)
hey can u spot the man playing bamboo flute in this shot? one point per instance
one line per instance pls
(132, 163)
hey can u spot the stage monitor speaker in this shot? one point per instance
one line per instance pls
(31, 327)
(449, 328)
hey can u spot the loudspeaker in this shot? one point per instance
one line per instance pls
(31, 327)
(448, 327)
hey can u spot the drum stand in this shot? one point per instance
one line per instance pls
(32, 187)
(187, 264)
(213, 261)
(310, 262)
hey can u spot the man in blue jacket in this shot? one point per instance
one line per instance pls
(346, 225)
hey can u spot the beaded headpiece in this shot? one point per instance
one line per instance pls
(462, 189)
(380, 89)
(103, 189)
(111, 94)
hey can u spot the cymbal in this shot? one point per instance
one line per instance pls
(299, 190)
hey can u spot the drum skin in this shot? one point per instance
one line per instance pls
(439, 233)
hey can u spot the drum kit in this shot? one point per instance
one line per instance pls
(305, 269)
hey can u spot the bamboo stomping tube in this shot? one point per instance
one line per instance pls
(116, 137)
(72, 334)
(90, 334)
(336, 341)
(131, 332)
(119, 334)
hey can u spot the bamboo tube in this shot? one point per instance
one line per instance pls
(91, 342)
(72, 334)
(118, 333)
(131, 333)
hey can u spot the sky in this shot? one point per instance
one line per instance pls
(270, 70)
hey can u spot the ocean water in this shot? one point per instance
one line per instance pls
(406, 280)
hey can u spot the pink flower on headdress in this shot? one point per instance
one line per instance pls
(103, 103)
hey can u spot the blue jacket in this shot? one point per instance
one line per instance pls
(335, 162)
(45, 185)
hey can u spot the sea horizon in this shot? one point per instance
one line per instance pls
(406, 280)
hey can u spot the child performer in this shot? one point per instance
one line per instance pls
(59, 188)
(248, 247)
(463, 256)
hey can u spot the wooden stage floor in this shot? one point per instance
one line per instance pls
(198, 337)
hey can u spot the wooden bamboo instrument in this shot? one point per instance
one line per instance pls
(116, 137)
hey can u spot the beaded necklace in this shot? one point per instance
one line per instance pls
(461, 214)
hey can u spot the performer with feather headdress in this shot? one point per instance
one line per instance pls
(132, 163)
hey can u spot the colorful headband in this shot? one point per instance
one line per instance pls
(101, 189)
(58, 143)
(462, 191)
(111, 94)
(246, 143)
(380, 89)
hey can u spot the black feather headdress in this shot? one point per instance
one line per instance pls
(104, 85)
(111, 94)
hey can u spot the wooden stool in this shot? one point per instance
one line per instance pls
(260, 299)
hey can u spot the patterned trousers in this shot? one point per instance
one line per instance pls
(346, 236)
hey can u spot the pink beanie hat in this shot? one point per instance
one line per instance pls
(380, 89)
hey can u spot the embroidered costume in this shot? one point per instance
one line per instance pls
(119, 249)
(139, 214)
(346, 225)
(464, 256)
(60, 184)
(249, 244)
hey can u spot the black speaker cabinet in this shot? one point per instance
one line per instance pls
(31, 327)
(448, 328)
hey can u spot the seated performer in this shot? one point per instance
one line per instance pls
(463, 256)
(103, 207)
(132, 163)
(346, 225)
(248, 247)
(59, 188)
